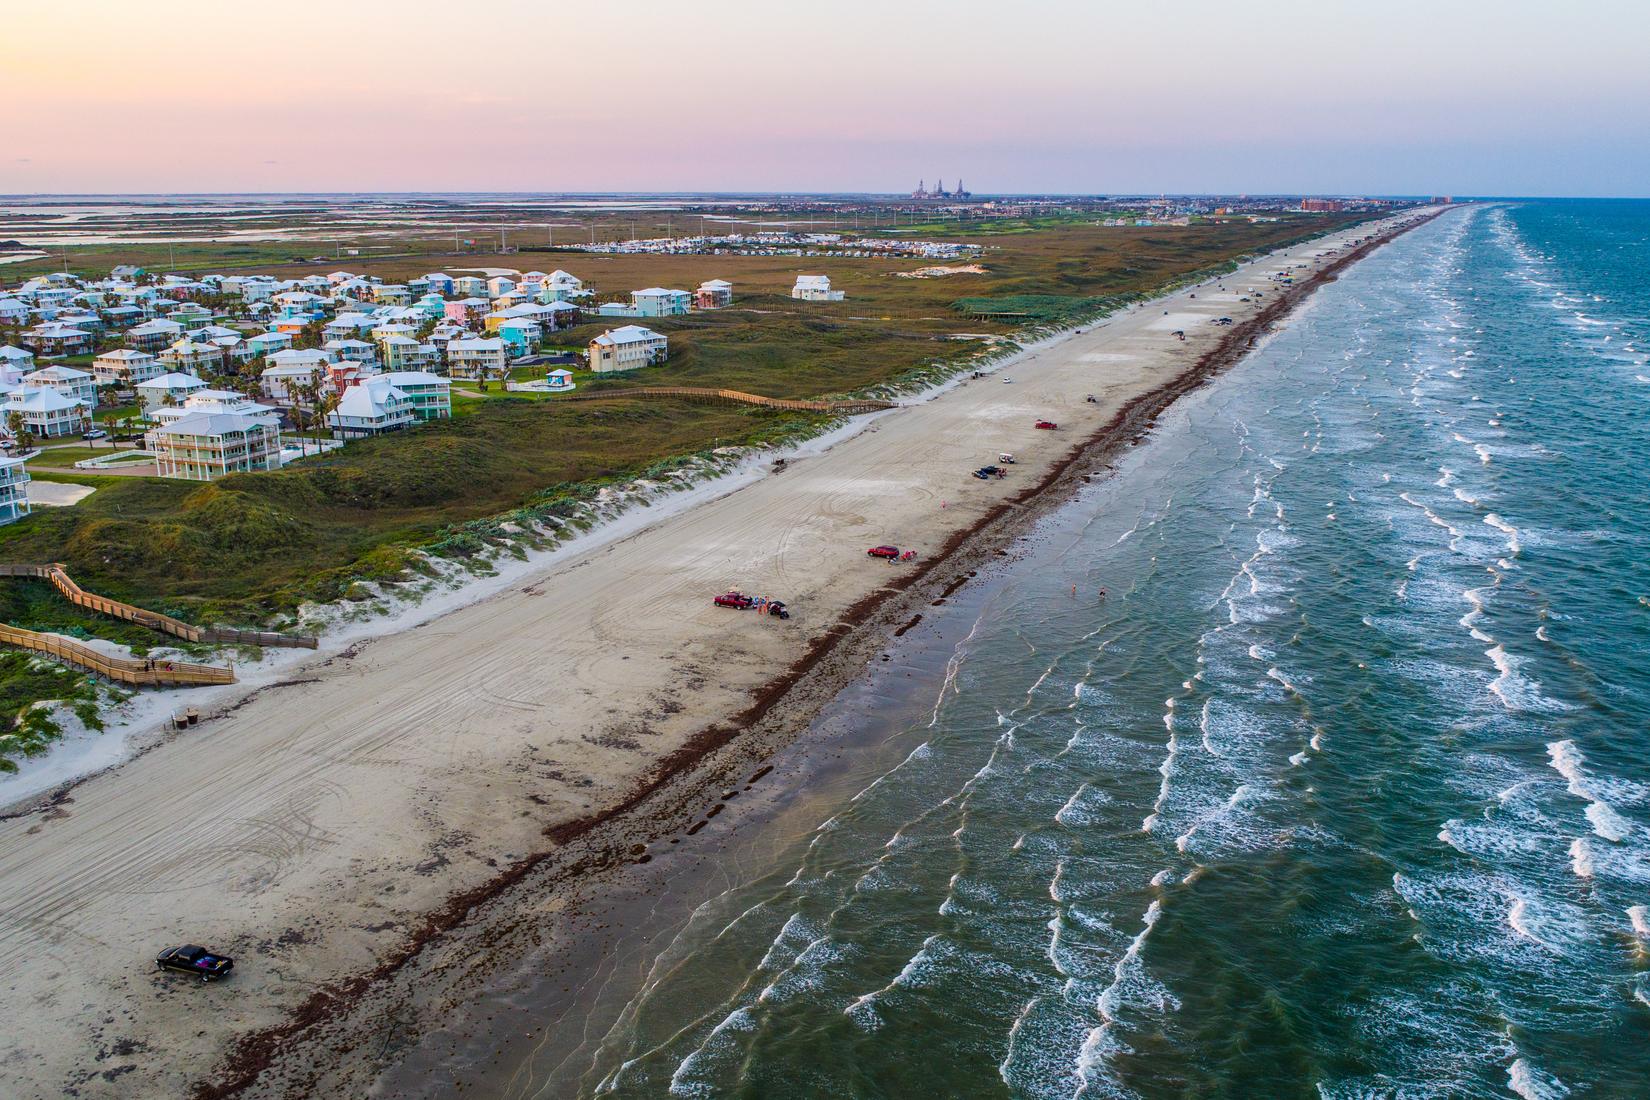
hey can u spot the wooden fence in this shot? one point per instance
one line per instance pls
(138, 673)
(154, 620)
(735, 397)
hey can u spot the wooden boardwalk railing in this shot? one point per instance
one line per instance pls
(735, 397)
(154, 620)
(138, 673)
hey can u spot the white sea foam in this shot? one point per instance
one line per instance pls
(1566, 759)
(1507, 529)
(1534, 1084)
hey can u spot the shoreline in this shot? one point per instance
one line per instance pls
(694, 771)
(394, 805)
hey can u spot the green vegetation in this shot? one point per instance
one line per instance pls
(27, 681)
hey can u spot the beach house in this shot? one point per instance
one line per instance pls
(54, 338)
(521, 333)
(67, 381)
(14, 363)
(124, 367)
(713, 294)
(45, 412)
(429, 394)
(193, 356)
(167, 389)
(268, 343)
(371, 406)
(205, 445)
(14, 490)
(483, 358)
(561, 286)
(290, 371)
(350, 351)
(815, 288)
(657, 301)
(627, 348)
(153, 335)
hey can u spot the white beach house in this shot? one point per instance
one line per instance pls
(815, 288)
(371, 406)
(124, 367)
(68, 381)
(15, 363)
(290, 371)
(167, 389)
(627, 348)
(205, 445)
(478, 358)
(45, 412)
(430, 394)
(14, 490)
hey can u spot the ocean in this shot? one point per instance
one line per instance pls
(1341, 788)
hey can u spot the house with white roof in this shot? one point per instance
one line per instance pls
(405, 353)
(562, 286)
(465, 310)
(67, 381)
(14, 363)
(657, 301)
(214, 401)
(291, 370)
(521, 333)
(14, 490)
(206, 445)
(713, 294)
(167, 389)
(628, 348)
(124, 367)
(350, 351)
(430, 394)
(45, 412)
(371, 406)
(53, 338)
(348, 326)
(193, 356)
(477, 358)
(268, 343)
(153, 335)
(815, 288)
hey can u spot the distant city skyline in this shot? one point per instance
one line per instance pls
(1406, 97)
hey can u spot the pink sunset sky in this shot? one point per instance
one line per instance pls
(1398, 97)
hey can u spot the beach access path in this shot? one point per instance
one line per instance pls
(309, 828)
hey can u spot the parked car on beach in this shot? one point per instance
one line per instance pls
(194, 959)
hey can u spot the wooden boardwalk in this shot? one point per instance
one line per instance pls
(735, 397)
(123, 670)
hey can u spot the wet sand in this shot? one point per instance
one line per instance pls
(372, 836)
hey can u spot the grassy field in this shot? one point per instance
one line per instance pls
(252, 547)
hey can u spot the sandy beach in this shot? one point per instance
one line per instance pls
(345, 832)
